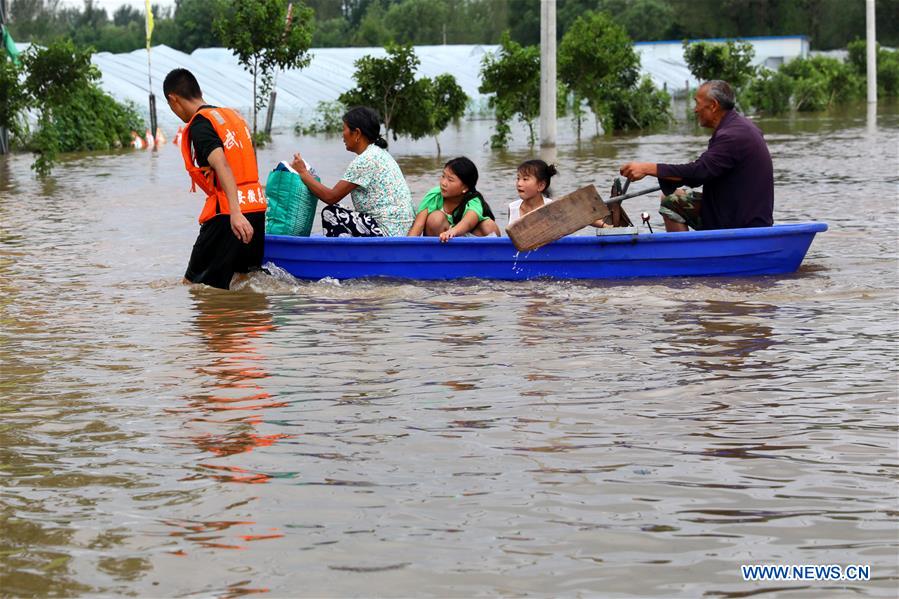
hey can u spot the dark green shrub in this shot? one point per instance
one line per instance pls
(93, 120)
(513, 77)
(770, 92)
(73, 113)
(730, 61)
(821, 81)
(887, 67)
(640, 107)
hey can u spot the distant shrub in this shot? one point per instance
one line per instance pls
(887, 67)
(640, 107)
(93, 120)
(822, 81)
(73, 112)
(730, 61)
(328, 119)
(770, 92)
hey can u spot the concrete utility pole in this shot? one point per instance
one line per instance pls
(548, 73)
(871, 44)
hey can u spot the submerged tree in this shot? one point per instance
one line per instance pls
(597, 62)
(382, 82)
(887, 67)
(408, 106)
(430, 106)
(730, 61)
(73, 112)
(513, 77)
(265, 37)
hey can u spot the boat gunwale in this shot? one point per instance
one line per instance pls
(779, 230)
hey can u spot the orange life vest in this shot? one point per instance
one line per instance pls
(238, 148)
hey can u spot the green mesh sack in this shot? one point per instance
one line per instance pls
(291, 206)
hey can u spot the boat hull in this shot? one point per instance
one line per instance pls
(728, 252)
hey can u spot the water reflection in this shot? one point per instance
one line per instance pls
(233, 327)
(631, 437)
(6, 182)
(720, 336)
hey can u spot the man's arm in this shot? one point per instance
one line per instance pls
(637, 170)
(721, 156)
(241, 227)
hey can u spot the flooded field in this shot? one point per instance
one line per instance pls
(385, 438)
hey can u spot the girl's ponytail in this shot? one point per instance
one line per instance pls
(472, 193)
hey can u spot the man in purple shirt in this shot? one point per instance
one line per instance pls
(735, 171)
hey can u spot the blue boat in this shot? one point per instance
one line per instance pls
(726, 252)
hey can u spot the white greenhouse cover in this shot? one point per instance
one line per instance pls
(330, 73)
(225, 83)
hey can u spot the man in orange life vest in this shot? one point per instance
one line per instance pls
(219, 157)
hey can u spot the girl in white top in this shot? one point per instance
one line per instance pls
(532, 185)
(533, 189)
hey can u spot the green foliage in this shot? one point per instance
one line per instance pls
(54, 75)
(73, 113)
(513, 77)
(331, 33)
(57, 71)
(263, 39)
(646, 20)
(328, 119)
(411, 107)
(93, 120)
(194, 25)
(429, 106)
(888, 73)
(770, 92)
(418, 21)
(731, 62)
(449, 102)
(13, 98)
(821, 81)
(381, 82)
(828, 23)
(638, 107)
(372, 29)
(887, 67)
(598, 63)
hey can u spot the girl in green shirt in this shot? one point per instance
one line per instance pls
(455, 207)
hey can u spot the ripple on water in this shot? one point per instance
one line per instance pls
(636, 437)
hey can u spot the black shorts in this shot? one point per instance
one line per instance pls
(218, 253)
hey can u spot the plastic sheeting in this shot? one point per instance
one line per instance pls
(664, 61)
(330, 73)
(225, 83)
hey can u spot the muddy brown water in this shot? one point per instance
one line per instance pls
(388, 438)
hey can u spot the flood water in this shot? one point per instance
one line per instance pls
(474, 438)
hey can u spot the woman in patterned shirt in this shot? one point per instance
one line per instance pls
(373, 179)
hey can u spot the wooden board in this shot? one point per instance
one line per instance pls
(557, 219)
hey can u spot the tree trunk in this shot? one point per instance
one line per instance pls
(437, 139)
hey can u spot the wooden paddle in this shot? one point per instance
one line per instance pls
(562, 217)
